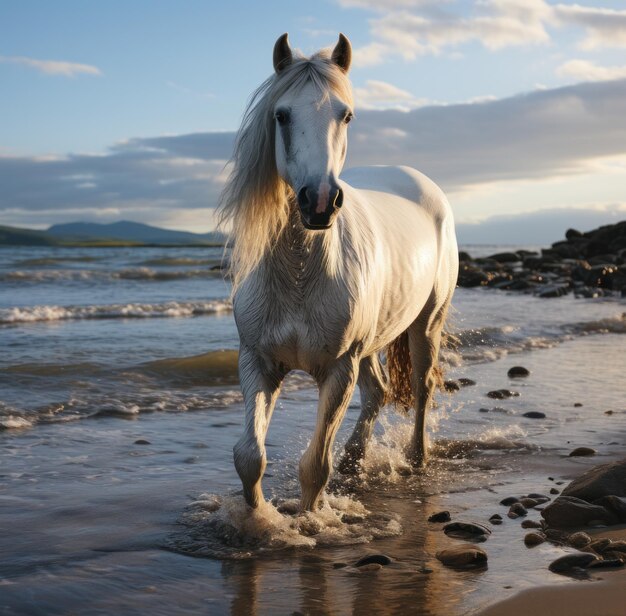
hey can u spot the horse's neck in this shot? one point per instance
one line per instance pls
(299, 256)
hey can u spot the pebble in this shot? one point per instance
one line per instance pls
(599, 545)
(554, 491)
(518, 372)
(534, 415)
(577, 404)
(533, 539)
(440, 516)
(582, 451)
(451, 386)
(531, 524)
(509, 500)
(467, 530)
(142, 441)
(579, 540)
(518, 509)
(466, 382)
(373, 559)
(496, 519)
(501, 394)
(529, 503)
(608, 412)
(569, 561)
(465, 555)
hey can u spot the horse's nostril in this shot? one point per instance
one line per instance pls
(338, 201)
(303, 196)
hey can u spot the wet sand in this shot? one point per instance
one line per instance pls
(92, 521)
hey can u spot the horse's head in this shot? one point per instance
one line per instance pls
(311, 136)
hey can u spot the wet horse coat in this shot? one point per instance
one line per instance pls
(330, 271)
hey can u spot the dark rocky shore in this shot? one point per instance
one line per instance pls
(591, 264)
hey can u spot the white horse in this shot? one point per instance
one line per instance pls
(330, 272)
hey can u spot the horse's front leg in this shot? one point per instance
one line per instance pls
(373, 386)
(336, 389)
(260, 388)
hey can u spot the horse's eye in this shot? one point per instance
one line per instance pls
(281, 117)
(348, 117)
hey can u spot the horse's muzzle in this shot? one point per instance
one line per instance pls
(319, 205)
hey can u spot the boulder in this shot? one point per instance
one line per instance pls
(604, 480)
(568, 512)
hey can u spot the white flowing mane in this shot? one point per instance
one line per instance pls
(255, 202)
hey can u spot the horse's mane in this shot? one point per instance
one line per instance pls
(254, 205)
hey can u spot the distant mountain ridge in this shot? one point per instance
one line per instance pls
(121, 232)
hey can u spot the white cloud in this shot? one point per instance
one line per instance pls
(409, 33)
(585, 70)
(604, 27)
(53, 67)
(383, 95)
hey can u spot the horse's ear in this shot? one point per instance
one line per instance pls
(342, 54)
(282, 53)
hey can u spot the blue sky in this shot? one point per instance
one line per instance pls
(86, 85)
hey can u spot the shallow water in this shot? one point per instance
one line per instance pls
(95, 523)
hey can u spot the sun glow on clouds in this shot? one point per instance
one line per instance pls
(53, 67)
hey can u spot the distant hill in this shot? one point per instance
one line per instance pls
(118, 233)
(14, 236)
(129, 231)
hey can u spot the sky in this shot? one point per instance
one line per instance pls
(128, 110)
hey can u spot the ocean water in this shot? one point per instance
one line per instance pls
(105, 348)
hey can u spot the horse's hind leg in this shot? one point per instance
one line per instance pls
(260, 391)
(424, 343)
(372, 386)
(336, 389)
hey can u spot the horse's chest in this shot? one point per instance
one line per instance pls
(297, 331)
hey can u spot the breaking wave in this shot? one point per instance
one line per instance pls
(113, 311)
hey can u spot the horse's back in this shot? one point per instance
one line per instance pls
(404, 182)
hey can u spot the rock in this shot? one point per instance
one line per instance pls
(440, 516)
(534, 415)
(464, 256)
(614, 504)
(339, 565)
(554, 290)
(467, 530)
(556, 536)
(604, 480)
(569, 561)
(426, 570)
(501, 394)
(599, 545)
(554, 491)
(579, 540)
(370, 567)
(533, 539)
(376, 559)
(509, 500)
(505, 257)
(609, 412)
(142, 441)
(572, 233)
(531, 524)
(605, 563)
(464, 382)
(518, 509)
(451, 386)
(582, 451)
(577, 404)
(567, 511)
(529, 503)
(496, 519)
(619, 546)
(517, 372)
(463, 556)
(538, 497)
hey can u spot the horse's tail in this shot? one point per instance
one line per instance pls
(400, 391)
